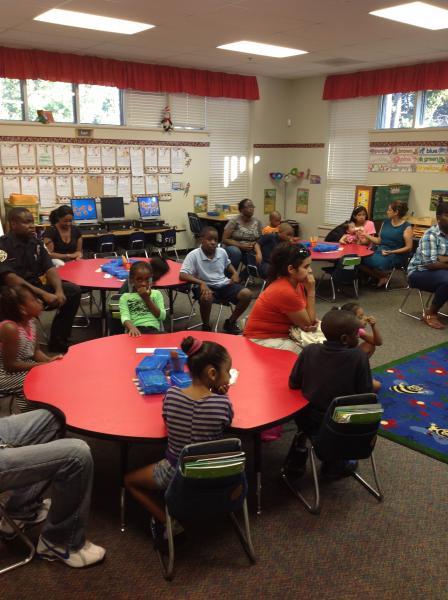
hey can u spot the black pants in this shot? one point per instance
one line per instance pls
(63, 320)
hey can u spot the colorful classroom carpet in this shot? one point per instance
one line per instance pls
(414, 395)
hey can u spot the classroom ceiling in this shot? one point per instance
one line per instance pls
(339, 35)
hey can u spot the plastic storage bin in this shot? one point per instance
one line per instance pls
(181, 379)
(153, 382)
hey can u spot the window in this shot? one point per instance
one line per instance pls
(56, 96)
(228, 122)
(99, 104)
(11, 99)
(397, 111)
(144, 109)
(348, 154)
(414, 109)
(188, 112)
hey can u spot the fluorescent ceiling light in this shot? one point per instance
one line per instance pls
(88, 21)
(262, 49)
(419, 14)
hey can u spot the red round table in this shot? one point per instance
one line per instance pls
(93, 387)
(344, 249)
(87, 274)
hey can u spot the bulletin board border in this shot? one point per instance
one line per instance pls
(29, 139)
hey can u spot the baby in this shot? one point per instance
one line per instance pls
(351, 233)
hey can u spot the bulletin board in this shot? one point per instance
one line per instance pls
(57, 169)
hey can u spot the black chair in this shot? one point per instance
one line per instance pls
(342, 441)
(23, 538)
(424, 304)
(195, 225)
(137, 243)
(220, 490)
(105, 243)
(345, 272)
(252, 275)
(164, 240)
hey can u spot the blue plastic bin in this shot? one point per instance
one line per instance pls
(181, 379)
(166, 352)
(153, 382)
(149, 363)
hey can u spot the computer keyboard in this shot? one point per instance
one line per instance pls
(94, 231)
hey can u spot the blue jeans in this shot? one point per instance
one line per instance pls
(432, 281)
(32, 459)
(237, 255)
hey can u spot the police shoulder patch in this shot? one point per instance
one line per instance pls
(3, 255)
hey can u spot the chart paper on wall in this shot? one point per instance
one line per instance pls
(138, 185)
(44, 155)
(152, 185)
(63, 185)
(164, 160)
(27, 155)
(47, 193)
(93, 156)
(137, 167)
(151, 165)
(9, 156)
(108, 156)
(110, 185)
(123, 156)
(79, 185)
(29, 185)
(124, 188)
(61, 154)
(11, 185)
(177, 160)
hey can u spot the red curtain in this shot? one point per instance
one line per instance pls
(427, 76)
(72, 68)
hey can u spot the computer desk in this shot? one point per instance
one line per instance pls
(128, 232)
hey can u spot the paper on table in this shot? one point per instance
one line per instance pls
(138, 185)
(44, 155)
(151, 158)
(79, 185)
(29, 185)
(93, 156)
(27, 155)
(137, 162)
(124, 188)
(108, 156)
(61, 155)
(63, 185)
(9, 156)
(11, 185)
(177, 160)
(47, 194)
(151, 350)
(164, 184)
(164, 158)
(123, 156)
(152, 185)
(110, 185)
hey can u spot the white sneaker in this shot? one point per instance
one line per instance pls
(40, 515)
(89, 554)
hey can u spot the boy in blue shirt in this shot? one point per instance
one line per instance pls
(207, 267)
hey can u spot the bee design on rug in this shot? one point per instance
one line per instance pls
(403, 387)
(438, 434)
(439, 431)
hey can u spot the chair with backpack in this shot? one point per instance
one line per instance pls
(345, 272)
(348, 432)
(210, 480)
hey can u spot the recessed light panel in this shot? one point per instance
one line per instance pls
(87, 21)
(262, 49)
(419, 14)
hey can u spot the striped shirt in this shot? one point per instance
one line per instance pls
(434, 243)
(190, 421)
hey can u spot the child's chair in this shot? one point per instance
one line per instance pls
(19, 533)
(345, 272)
(210, 480)
(165, 240)
(343, 441)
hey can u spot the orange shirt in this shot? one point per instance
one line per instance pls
(268, 318)
(269, 229)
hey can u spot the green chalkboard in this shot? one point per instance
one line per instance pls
(384, 195)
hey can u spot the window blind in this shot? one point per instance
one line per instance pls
(187, 111)
(228, 123)
(144, 109)
(348, 154)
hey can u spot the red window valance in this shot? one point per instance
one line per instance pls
(426, 76)
(72, 68)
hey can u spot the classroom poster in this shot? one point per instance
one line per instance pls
(302, 200)
(200, 204)
(435, 195)
(269, 201)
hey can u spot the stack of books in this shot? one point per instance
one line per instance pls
(361, 414)
(209, 466)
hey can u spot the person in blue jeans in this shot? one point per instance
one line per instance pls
(32, 457)
(428, 269)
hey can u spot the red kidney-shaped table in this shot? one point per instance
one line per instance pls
(343, 250)
(87, 273)
(93, 387)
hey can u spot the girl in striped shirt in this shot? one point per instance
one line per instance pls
(198, 413)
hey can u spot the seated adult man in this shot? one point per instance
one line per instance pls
(207, 266)
(266, 244)
(24, 260)
(31, 458)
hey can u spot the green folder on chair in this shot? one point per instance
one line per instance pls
(361, 414)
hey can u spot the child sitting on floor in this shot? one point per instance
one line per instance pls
(338, 367)
(19, 350)
(198, 413)
(141, 309)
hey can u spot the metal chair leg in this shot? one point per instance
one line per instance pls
(221, 306)
(388, 282)
(406, 298)
(167, 566)
(23, 538)
(375, 492)
(244, 536)
(313, 506)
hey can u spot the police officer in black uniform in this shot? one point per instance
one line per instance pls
(23, 260)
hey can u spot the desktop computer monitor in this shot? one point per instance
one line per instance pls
(84, 210)
(112, 208)
(148, 207)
